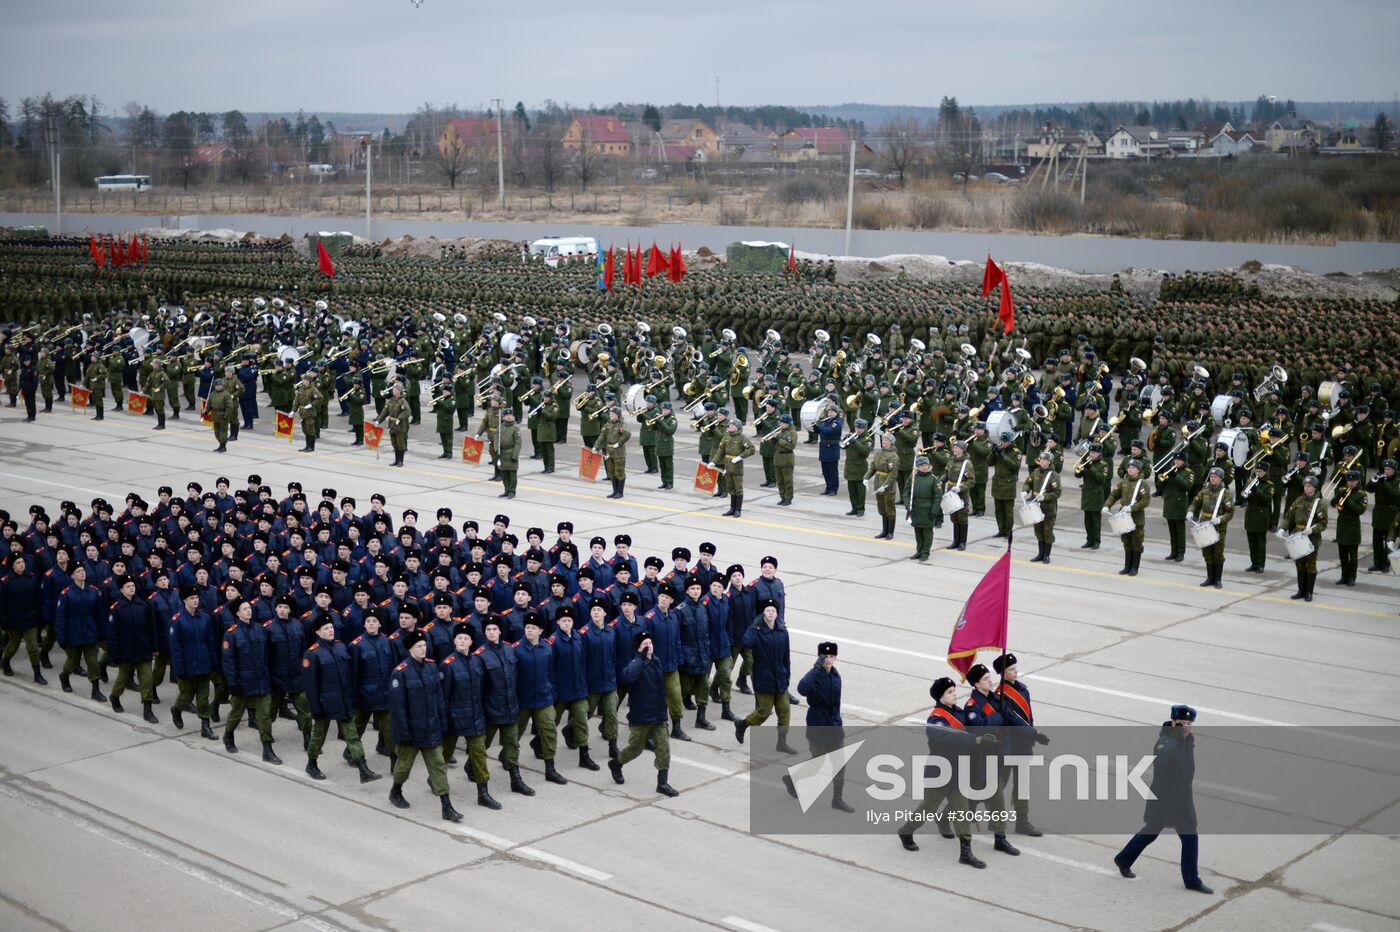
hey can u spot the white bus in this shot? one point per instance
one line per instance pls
(565, 249)
(123, 183)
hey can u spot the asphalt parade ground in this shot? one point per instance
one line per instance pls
(107, 822)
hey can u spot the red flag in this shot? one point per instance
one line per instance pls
(1007, 312)
(706, 477)
(136, 402)
(78, 396)
(589, 461)
(373, 435)
(609, 270)
(94, 251)
(982, 623)
(678, 269)
(992, 275)
(324, 259)
(792, 258)
(634, 265)
(286, 424)
(471, 450)
(657, 262)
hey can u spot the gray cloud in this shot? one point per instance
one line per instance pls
(387, 55)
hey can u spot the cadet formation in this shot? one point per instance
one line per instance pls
(1166, 420)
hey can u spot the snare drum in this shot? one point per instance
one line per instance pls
(1204, 535)
(1237, 442)
(1030, 513)
(952, 502)
(1220, 408)
(1121, 522)
(1299, 545)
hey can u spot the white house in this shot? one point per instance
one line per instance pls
(1232, 142)
(1134, 142)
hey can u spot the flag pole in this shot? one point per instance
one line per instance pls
(1005, 623)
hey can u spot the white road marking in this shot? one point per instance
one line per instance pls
(1056, 859)
(1329, 927)
(1236, 791)
(744, 925)
(701, 765)
(486, 838)
(65, 485)
(860, 709)
(564, 864)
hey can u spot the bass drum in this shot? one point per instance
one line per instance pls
(1220, 408)
(1237, 442)
(1330, 394)
(509, 342)
(811, 411)
(634, 400)
(999, 422)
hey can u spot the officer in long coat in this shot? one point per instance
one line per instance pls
(612, 443)
(884, 471)
(508, 442)
(646, 713)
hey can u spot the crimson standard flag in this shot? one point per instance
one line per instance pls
(992, 275)
(1006, 313)
(982, 622)
(324, 259)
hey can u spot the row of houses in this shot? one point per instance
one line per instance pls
(1290, 135)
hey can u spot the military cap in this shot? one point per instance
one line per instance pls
(1183, 713)
(629, 597)
(680, 553)
(940, 686)
(669, 591)
(978, 671)
(652, 561)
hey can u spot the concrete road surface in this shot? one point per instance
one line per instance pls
(109, 823)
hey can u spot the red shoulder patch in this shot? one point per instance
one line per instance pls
(478, 652)
(450, 659)
(401, 666)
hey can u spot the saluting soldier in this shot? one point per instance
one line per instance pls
(508, 443)
(1215, 504)
(665, 428)
(1133, 494)
(884, 470)
(612, 443)
(307, 403)
(857, 458)
(1258, 496)
(1350, 501)
(1043, 486)
(1386, 487)
(729, 456)
(397, 414)
(1174, 484)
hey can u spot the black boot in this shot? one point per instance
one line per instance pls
(306, 739)
(1039, 552)
(312, 770)
(214, 711)
(1006, 847)
(269, 755)
(396, 796)
(1219, 571)
(97, 693)
(366, 775)
(616, 770)
(65, 682)
(484, 797)
(1312, 581)
(701, 722)
(39, 676)
(676, 732)
(1046, 558)
(116, 704)
(743, 685)
(206, 730)
(147, 714)
(733, 507)
(585, 760)
(621, 487)
(740, 726)
(944, 829)
(517, 785)
(1137, 561)
(662, 787)
(1127, 563)
(965, 856)
(783, 745)
(725, 713)
(738, 506)
(906, 838)
(177, 719)
(612, 749)
(689, 703)
(837, 802)
(229, 744)
(553, 775)
(1302, 583)
(449, 813)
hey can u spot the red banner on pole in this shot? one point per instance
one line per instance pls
(286, 424)
(706, 478)
(78, 396)
(136, 402)
(471, 450)
(373, 435)
(588, 463)
(982, 623)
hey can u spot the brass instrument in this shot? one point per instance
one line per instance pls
(535, 410)
(1166, 473)
(349, 391)
(649, 422)
(1342, 500)
(700, 398)
(700, 424)
(581, 401)
(889, 416)
(772, 435)
(1341, 471)
(846, 440)
(1268, 444)
(1340, 431)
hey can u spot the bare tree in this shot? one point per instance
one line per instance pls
(901, 146)
(549, 151)
(450, 155)
(585, 159)
(961, 152)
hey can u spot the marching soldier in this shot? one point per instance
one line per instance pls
(131, 645)
(884, 470)
(1096, 476)
(923, 498)
(535, 669)
(857, 446)
(1174, 484)
(821, 686)
(1307, 514)
(245, 667)
(223, 409)
(958, 475)
(1132, 493)
(612, 442)
(307, 403)
(1350, 501)
(419, 720)
(1043, 486)
(157, 386)
(545, 429)
(729, 456)
(646, 437)
(772, 664)
(785, 458)
(947, 736)
(1214, 504)
(980, 452)
(463, 675)
(508, 444)
(1258, 496)
(96, 377)
(646, 713)
(1386, 487)
(397, 414)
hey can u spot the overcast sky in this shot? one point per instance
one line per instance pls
(388, 56)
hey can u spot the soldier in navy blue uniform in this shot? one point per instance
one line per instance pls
(78, 621)
(419, 718)
(249, 681)
(665, 630)
(1173, 772)
(647, 712)
(983, 710)
(769, 586)
(821, 685)
(131, 645)
(284, 655)
(600, 667)
(463, 678)
(1021, 737)
(328, 673)
(191, 635)
(373, 660)
(501, 693)
(946, 732)
(571, 684)
(535, 686)
(772, 666)
(694, 620)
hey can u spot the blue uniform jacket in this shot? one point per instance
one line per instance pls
(79, 616)
(329, 678)
(600, 657)
(829, 437)
(131, 636)
(570, 675)
(717, 616)
(772, 664)
(245, 660)
(463, 680)
(822, 690)
(694, 622)
(502, 699)
(534, 674)
(284, 654)
(191, 644)
(417, 713)
(373, 660)
(646, 691)
(665, 638)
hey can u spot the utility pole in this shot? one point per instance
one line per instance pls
(54, 139)
(368, 143)
(500, 155)
(850, 193)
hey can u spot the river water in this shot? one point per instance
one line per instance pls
(1078, 253)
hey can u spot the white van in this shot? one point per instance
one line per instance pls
(566, 249)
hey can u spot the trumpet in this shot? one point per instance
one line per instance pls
(1342, 499)
(846, 440)
(349, 391)
(700, 424)
(1269, 446)
(771, 435)
(1166, 473)
(581, 401)
(649, 421)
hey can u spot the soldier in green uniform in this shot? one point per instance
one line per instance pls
(547, 413)
(1043, 487)
(281, 387)
(1174, 484)
(980, 452)
(1307, 514)
(1006, 469)
(96, 376)
(921, 499)
(857, 446)
(463, 388)
(646, 437)
(223, 409)
(906, 439)
(44, 369)
(508, 443)
(396, 414)
(958, 478)
(729, 456)
(1350, 501)
(489, 427)
(158, 386)
(306, 402)
(766, 429)
(1258, 498)
(613, 443)
(665, 428)
(1386, 487)
(444, 407)
(414, 370)
(116, 377)
(591, 417)
(354, 399)
(325, 386)
(785, 458)
(1133, 494)
(884, 470)
(1215, 504)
